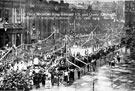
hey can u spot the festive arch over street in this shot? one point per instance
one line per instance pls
(49, 46)
(46, 46)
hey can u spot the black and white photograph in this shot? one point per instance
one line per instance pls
(67, 45)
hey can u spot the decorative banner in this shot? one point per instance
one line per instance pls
(23, 49)
(47, 47)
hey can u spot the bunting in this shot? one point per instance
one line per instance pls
(25, 49)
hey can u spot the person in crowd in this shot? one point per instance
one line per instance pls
(85, 59)
(89, 61)
(118, 58)
(53, 77)
(75, 74)
(58, 77)
(71, 75)
(48, 83)
(109, 62)
(113, 63)
(79, 74)
(88, 67)
(78, 54)
(94, 64)
(43, 78)
(61, 76)
(36, 80)
(66, 76)
(89, 58)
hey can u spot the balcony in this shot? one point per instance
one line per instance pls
(15, 25)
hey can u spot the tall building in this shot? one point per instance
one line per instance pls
(105, 7)
(120, 10)
(130, 13)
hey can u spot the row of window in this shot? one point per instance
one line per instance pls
(14, 15)
(130, 5)
(4, 14)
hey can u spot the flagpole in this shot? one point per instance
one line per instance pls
(66, 46)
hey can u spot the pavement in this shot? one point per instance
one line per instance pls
(119, 78)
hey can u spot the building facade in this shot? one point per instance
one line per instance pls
(27, 21)
(42, 16)
(130, 13)
(12, 22)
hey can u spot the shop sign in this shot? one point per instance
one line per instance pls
(62, 14)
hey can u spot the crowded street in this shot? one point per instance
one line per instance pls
(60, 45)
(84, 77)
(106, 78)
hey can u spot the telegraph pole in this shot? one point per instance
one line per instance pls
(74, 25)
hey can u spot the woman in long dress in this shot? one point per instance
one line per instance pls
(48, 83)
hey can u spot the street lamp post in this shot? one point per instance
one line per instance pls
(93, 84)
(111, 75)
(66, 46)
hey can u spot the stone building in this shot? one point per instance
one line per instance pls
(12, 13)
(130, 13)
(41, 16)
(27, 21)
